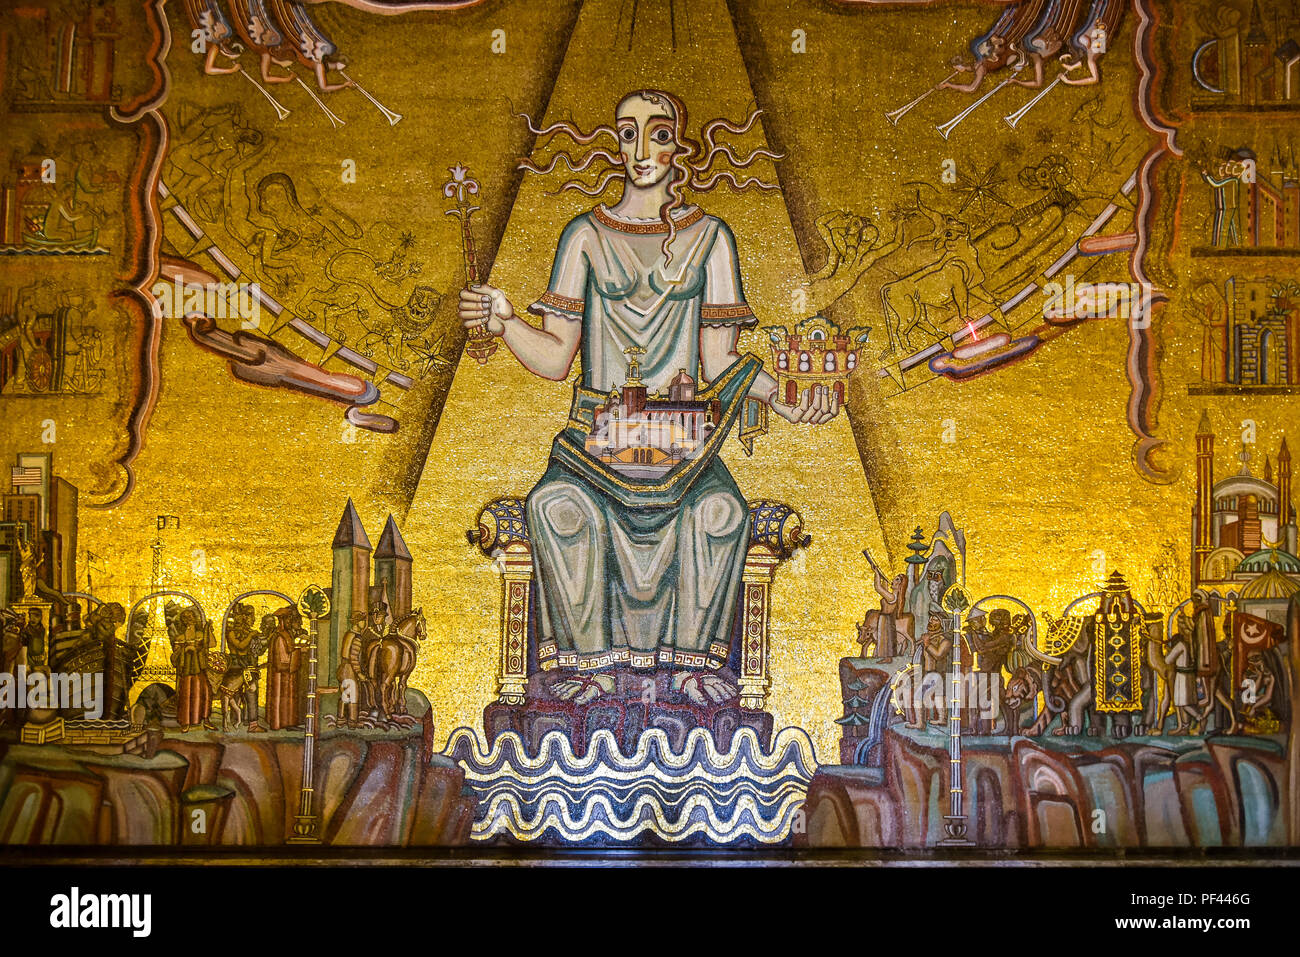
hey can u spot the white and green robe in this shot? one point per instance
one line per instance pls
(646, 573)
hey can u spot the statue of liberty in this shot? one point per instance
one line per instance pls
(641, 573)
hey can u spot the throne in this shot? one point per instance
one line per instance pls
(775, 534)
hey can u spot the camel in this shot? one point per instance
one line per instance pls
(1153, 649)
(1154, 653)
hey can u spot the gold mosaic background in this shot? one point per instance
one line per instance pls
(1041, 475)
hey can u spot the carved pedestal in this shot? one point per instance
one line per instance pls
(760, 568)
(516, 566)
(45, 732)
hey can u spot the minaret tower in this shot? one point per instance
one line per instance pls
(1202, 512)
(350, 580)
(1285, 516)
(393, 566)
(1257, 55)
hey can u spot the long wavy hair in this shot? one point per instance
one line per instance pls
(692, 163)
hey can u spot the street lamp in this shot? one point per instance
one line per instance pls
(955, 601)
(315, 605)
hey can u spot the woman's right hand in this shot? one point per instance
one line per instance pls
(485, 305)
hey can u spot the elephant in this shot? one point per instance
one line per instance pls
(1072, 682)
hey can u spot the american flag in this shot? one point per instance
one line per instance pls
(25, 477)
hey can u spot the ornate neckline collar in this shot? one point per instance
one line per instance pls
(606, 217)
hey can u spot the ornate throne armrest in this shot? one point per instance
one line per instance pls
(775, 534)
(502, 535)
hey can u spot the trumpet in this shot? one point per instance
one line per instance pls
(280, 110)
(946, 129)
(902, 111)
(393, 118)
(335, 120)
(1019, 114)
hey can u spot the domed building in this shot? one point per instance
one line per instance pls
(1268, 594)
(1265, 560)
(1243, 526)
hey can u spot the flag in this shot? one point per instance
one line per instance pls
(25, 477)
(1250, 634)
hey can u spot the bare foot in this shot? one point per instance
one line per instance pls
(703, 687)
(583, 688)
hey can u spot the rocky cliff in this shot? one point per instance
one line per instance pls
(1057, 792)
(372, 788)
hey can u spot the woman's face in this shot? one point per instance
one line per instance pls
(646, 139)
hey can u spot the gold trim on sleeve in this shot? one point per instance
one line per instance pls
(549, 298)
(730, 311)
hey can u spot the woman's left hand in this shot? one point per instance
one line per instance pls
(819, 404)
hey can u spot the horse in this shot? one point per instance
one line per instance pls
(390, 661)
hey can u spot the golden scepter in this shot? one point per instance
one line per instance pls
(481, 344)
